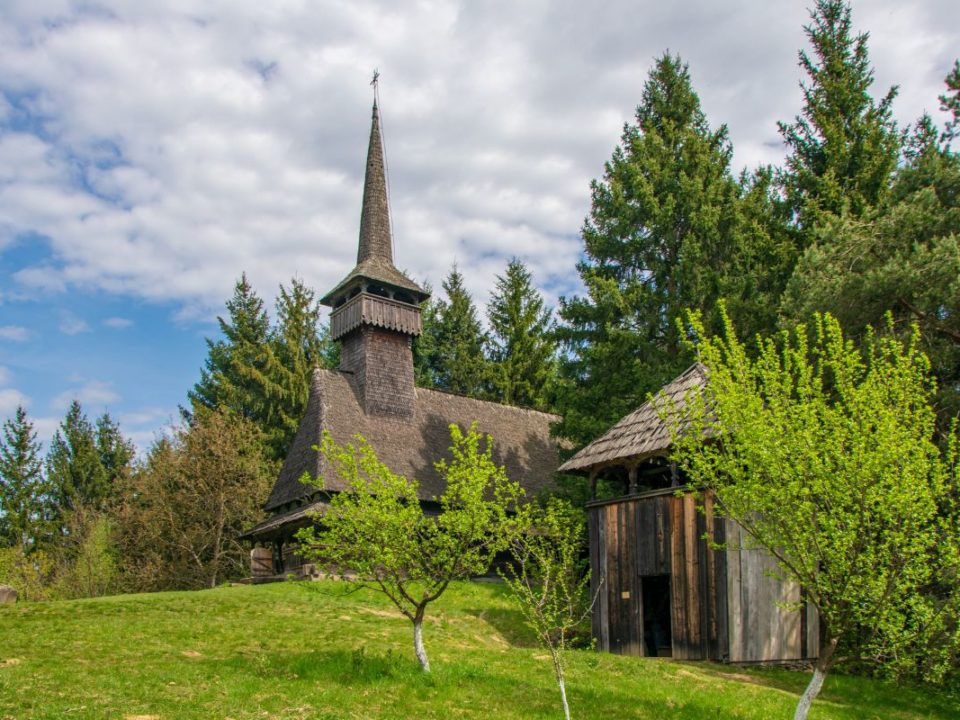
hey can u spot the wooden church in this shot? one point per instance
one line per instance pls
(375, 316)
(666, 590)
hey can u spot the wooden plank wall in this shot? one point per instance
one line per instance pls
(760, 629)
(699, 631)
(659, 535)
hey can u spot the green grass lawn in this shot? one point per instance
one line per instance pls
(315, 650)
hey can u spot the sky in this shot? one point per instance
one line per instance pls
(152, 151)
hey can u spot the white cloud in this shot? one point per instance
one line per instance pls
(70, 324)
(94, 393)
(181, 148)
(117, 323)
(10, 398)
(14, 333)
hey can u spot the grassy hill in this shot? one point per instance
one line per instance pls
(315, 650)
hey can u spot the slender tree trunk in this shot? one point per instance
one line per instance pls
(558, 670)
(816, 682)
(418, 647)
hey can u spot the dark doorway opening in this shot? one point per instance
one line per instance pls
(657, 639)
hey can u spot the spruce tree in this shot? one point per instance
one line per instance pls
(23, 496)
(231, 376)
(844, 145)
(457, 362)
(74, 467)
(668, 230)
(522, 345)
(295, 347)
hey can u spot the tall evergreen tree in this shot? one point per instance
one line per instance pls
(23, 496)
(950, 102)
(294, 348)
(667, 231)
(456, 342)
(86, 462)
(231, 377)
(115, 451)
(844, 145)
(901, 257)
(522, 344)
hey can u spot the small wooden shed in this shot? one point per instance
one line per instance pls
(664, 588)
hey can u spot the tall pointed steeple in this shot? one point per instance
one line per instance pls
(376, 308)
(375, 237)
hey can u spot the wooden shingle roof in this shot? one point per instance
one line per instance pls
(410, 447)
(642, 433)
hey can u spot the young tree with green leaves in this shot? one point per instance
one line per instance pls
(454, 343)
(23, 492)
(828, 457)
(522, 344)
(844, 145)
(550, 579)
(669, 229)
(378, 531)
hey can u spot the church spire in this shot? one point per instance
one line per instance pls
(375, 240)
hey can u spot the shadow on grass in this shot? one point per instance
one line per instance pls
(509, 623)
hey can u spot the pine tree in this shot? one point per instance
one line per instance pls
(295, 347)
(457, 341)
(231, 377)
(23, 496)
(668, 230)
(844, 146)
(74, 469)
(115, 451)
(950, 102)
(522, 345)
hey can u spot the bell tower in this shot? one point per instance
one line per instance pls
(376, 308)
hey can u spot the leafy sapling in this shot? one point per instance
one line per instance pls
(377, 531)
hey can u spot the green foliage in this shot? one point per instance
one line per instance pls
(23, 496)
(902, 257)
(184, 509)
(229, 377)
(669, 229)
(29, 574)
(950, 102)
(522, 345)
(85, 464)
(844, 145)
(378, 531)
(261, 372)
(827, 456)
(549, 578)
(87, 557)
(451, 349)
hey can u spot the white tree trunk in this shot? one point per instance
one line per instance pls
(418, 644)
(558, 669)
(813, 689)
(824, 662)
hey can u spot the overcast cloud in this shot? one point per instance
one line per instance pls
(155, 150)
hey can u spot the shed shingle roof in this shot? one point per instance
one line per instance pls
(642, 433)
(410, 447)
